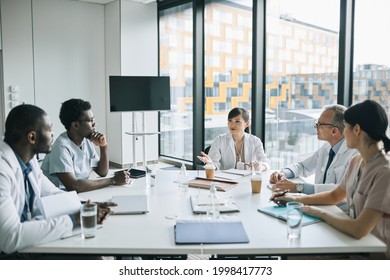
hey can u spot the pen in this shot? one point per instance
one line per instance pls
(279, 194)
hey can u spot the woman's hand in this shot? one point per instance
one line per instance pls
(313, 211)
(204, 158)
(281, 198)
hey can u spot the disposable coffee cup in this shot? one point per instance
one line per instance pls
(256, 183)
(210, 171)
(88, 215)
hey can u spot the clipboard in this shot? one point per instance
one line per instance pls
(204, 183)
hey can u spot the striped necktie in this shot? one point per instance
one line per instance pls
(29, 201)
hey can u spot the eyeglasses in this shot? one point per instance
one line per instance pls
(318, 124)
(91, 120)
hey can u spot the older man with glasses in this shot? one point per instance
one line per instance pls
(73, 155)
(329, 163)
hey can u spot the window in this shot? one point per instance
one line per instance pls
(371, 68)
(228, 62)
(176, 61)
(304, 46)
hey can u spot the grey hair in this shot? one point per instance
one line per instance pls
(338, 115)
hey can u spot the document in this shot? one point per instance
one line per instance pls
(235, 171)
(201, 204)
(130, 204)
(64, 203)
(210, 232)
(280, 212)
(204, 183)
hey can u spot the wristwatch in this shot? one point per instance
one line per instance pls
(299, 187)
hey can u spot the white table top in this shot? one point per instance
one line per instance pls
(153, 233)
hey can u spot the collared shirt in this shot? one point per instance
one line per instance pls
(67, 157)
(26, 169)
(309, 188)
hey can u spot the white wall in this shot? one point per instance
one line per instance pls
(113, 67)
(60, 49)
(69, 56)
(138, 56)
(54, 50)
(17, 51)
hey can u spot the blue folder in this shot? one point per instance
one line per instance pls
(208, 232)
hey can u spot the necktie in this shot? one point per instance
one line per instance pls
(330, 158)
(28, 204)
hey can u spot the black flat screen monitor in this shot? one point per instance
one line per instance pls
(139, 93)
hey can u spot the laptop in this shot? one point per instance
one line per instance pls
(130, 204)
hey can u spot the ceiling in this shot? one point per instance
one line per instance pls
(108, 1)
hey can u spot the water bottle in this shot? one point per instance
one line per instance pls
(214, 203)
(183, 178)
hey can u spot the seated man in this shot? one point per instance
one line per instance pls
(73, 155)
(28, 131)
(329, 163)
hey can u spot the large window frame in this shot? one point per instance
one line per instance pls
(345, 73)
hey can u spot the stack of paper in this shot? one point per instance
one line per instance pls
(202, 203)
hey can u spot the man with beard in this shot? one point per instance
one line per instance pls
(73, 155)
(28, 131)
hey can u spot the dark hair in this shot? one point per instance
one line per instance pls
(71, 111)
(237, 112)
(21, 120)
(372, 119)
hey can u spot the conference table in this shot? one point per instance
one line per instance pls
(153, 233)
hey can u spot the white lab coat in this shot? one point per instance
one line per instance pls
(15, 235)
(223, 152)
(317, 164)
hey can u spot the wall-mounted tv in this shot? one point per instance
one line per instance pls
(139, 93)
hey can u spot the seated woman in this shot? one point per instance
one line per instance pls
(366, 184)
(237, 148)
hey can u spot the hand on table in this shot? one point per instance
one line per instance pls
(313, 211)
(281, 198)
(285, 185)
(121, 178)
(276, 177)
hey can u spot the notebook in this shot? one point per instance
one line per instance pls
(280, 212)
(204, 183)
(130, 204)
(210, 232)
(200, 204)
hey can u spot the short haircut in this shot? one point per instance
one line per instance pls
(21, 120)
(71, 111)
(338, 115)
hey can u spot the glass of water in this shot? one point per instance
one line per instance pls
(294, 219)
